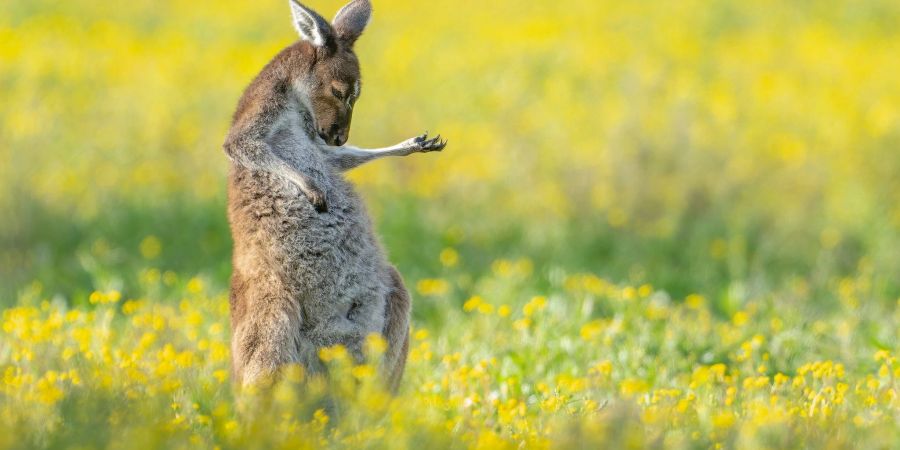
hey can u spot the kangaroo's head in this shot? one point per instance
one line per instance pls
(333, 83)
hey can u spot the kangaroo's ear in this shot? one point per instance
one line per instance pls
(311, 26)
(351, 20)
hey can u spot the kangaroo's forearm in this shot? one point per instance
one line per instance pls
(257, 155)
(347, 157)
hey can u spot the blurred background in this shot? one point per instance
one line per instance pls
(717, 147)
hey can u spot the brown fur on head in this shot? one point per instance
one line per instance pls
(335, 77)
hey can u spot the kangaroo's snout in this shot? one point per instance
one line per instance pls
(334, 135)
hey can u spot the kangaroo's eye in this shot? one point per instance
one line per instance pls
(337, 94)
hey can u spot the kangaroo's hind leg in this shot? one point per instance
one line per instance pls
(266, 339)
(396, 331)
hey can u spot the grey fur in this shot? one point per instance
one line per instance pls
(308, 270)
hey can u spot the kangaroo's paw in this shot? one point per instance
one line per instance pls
(424, 144)
(317, 197)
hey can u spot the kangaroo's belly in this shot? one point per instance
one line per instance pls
(330, 265)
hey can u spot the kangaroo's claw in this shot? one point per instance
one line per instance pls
(317, 198)
(424, 144)
(318, 201)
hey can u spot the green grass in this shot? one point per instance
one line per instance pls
(662, 225)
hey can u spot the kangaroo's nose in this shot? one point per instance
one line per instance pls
(340, 140)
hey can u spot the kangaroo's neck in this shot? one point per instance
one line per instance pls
(282, 84)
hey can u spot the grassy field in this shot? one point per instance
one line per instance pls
(657, 225)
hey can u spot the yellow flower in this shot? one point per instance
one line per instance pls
(376, 344)
(97, 297)
(432, 287)
(221, 375)
(449, 257)
(151, 247)
(294, 373)
(486, 308)
(551, 404)
(591, 330)
(602, 368)
(473, 303)
(231, 426)
(195, 285)
(334, 353)
(724, 419)
(536, 304)
(695, 301)
(781, 379)
(363, 371)
(522, 324)
(632, 386)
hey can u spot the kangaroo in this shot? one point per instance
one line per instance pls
(308, 270)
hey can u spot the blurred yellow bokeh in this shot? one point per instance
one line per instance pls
(666, 224)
